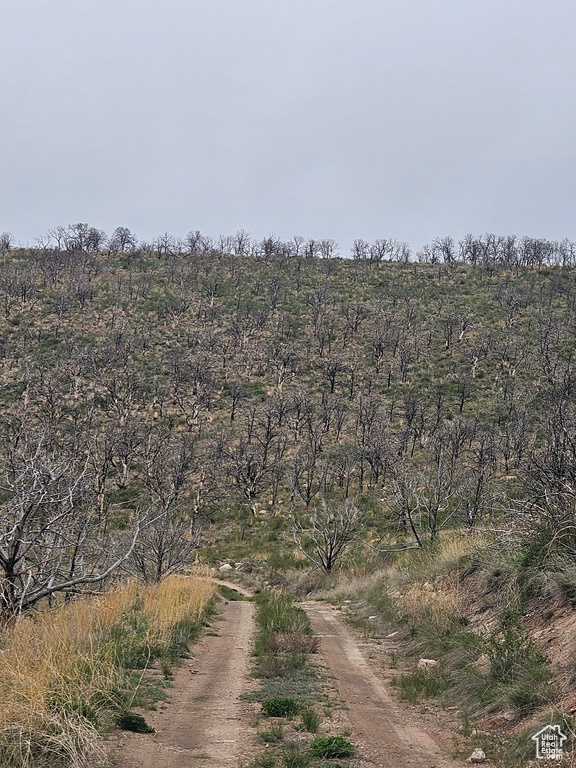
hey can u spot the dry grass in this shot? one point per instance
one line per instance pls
(433, 604)
(452, 547)
(61, 670)
(176, 599)
(292, 642)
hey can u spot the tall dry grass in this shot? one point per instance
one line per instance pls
(435, 605)
(62, 671)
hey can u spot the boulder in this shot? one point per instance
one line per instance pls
(226, 568)
(477, 756)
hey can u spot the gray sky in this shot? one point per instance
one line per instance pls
(324, 118)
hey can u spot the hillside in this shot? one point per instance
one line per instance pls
(160, 408)
(274, 382)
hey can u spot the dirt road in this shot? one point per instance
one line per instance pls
(388, 734)
(205, 722)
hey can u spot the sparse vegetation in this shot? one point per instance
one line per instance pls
(407, 425)
(422, 683)
(282, 646)
(274, 733)
(311, 720)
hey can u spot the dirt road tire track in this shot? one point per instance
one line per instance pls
(205, 722)
(388, 735)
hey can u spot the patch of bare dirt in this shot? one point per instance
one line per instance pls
(386, 733)
(205, 722)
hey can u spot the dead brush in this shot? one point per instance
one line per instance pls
(270, 665)
(176, 599)
(289, 642)
(59, 739)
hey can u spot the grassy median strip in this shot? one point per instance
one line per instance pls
(291, 694)
(69, 674)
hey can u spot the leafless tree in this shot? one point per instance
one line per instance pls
(123, 241)
(250, 464)
(6, 242)
(425, 501)
(328, 248)
(49, 537)
(309, 469)
(360, 249)
(327, 532)
(167, 543)
(298, 246)
(241, 243)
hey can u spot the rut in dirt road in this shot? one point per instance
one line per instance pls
(381, 727)
(204, 718)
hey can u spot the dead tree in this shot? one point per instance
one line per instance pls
(327, 533)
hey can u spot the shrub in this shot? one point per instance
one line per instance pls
(284, 642)
(278, 614)
(511, 649)
(278, 706)
(331, 746)
(274, 734)
(265, 760)
(130, 721)
(422, 682)
(270, 665)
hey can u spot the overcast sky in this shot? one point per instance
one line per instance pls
(324, 118)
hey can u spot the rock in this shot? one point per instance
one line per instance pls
(372, 618)
(428, 664)
(226, 568)
(477, 757)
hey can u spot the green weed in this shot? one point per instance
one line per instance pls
(311, 720)
(328, 747)
(273, 734)
(294, 756)
(130, 721)
(280, 707)
(422, 683)
(264, 760)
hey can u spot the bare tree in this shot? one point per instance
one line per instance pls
(6, 242)
(360, 249)
(309, 470)
(250, 466)
(328, 248)
(425, 501)
(122, 241)
(49, 537)
(327, 533)
(167, 543)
